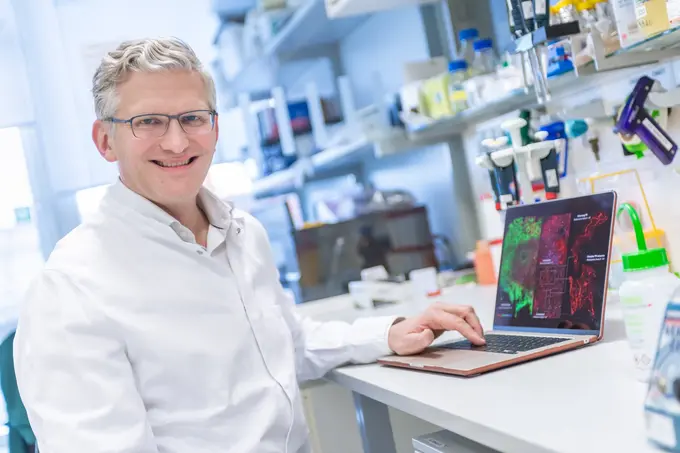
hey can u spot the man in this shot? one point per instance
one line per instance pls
(160, 325)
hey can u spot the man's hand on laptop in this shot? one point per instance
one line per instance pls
(409, 336)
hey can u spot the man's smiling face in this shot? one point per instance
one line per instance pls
(169, 169)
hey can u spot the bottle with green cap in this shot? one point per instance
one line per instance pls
(648, 286)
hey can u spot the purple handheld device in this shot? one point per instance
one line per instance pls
(635, 120)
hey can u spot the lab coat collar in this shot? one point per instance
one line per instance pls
(220, 213)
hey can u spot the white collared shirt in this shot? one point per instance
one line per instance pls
(137, 339)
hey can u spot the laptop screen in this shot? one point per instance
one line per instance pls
(555, 258)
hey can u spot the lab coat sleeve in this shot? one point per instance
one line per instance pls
(322, 346)
(74, 376)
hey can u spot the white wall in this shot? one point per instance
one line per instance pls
(383, 44)
(91, 28)
(427, 175)
(15, 99)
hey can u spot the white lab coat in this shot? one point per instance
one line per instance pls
(137, 339)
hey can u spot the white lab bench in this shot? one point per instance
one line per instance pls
(577, 402)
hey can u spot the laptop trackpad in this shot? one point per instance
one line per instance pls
(457, 359)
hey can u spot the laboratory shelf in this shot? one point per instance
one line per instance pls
(307, 27)
(661, 47)
(279, 182)
(341, 155)
(445, 128)
(454, 125)
(328, 159)
(670, 39)
(442, 130)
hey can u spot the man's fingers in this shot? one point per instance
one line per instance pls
(467, 313)
(415, 342)
(474, 322)
(450, 321)
(426, 338)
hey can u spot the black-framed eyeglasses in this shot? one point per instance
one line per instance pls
(155, 125)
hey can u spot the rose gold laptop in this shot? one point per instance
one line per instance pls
(551, 293)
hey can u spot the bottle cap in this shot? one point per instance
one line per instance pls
(643, 259)
(482, 44)
(468, 34)
(458, 65)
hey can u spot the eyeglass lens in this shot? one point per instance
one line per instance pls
(193, 123)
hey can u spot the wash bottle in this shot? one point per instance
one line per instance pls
(644, 294)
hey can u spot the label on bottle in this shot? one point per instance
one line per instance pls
(540, 7)
(636, 315)
(528, 9)
(634, 312)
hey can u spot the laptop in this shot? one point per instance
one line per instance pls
(551, 292)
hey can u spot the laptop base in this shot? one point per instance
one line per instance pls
(472, 363)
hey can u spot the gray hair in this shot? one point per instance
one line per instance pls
(144, 55)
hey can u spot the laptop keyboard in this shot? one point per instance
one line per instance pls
(506, 344)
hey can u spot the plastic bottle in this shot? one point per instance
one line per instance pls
(484, 61)
(467, 39)
(565, 11)
(647, 288)
(587, 17)
(486, 267)
(458, 73)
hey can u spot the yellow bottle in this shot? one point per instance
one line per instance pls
(652, 16)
